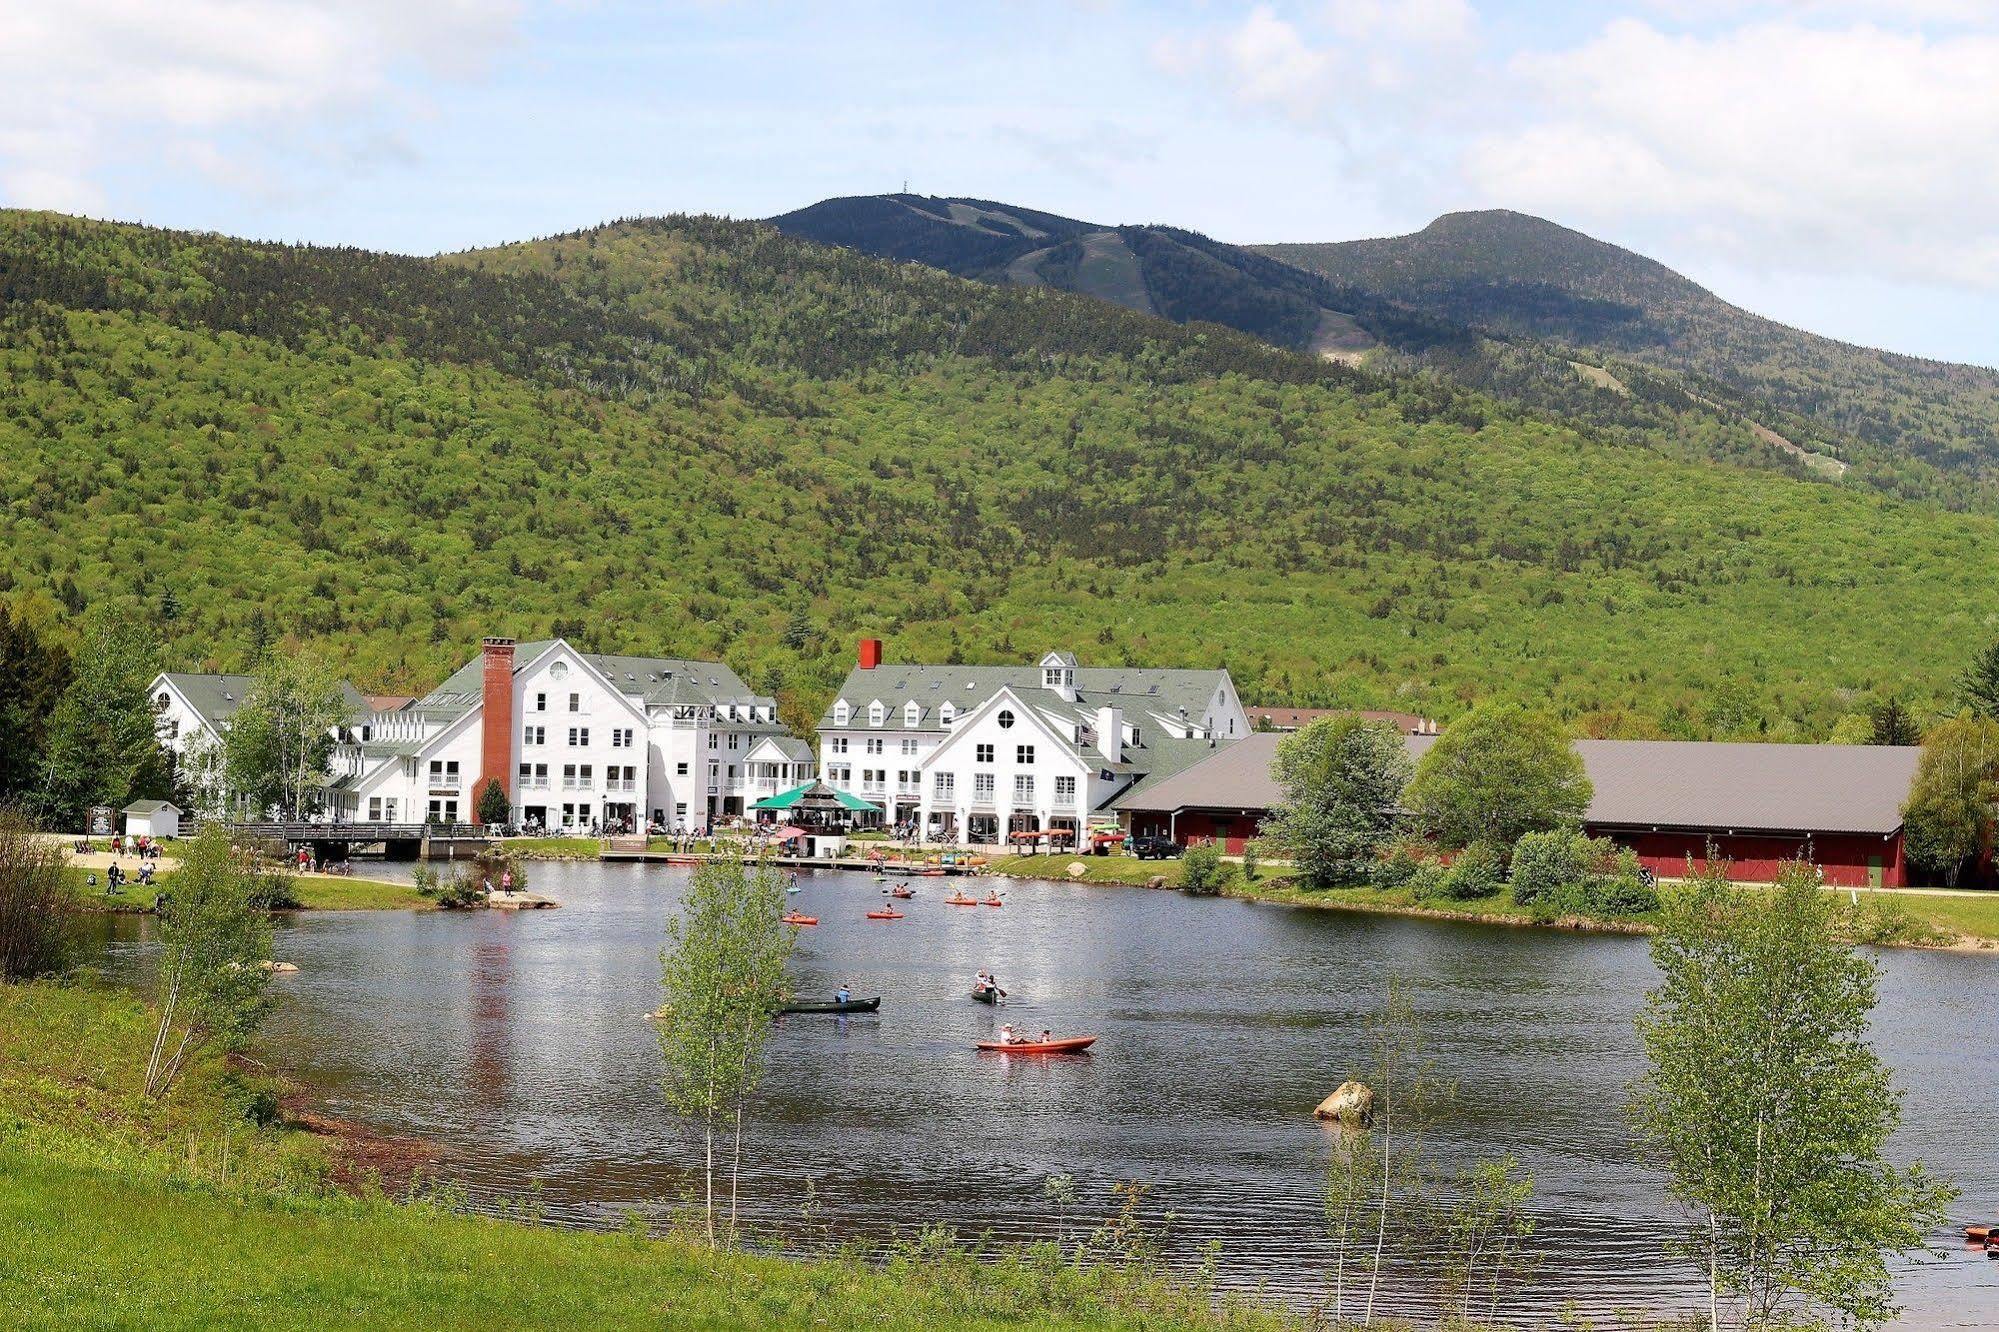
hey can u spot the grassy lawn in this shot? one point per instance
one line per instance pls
(339, 892)
(552, 848)
(117, 1212)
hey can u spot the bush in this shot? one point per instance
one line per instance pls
(1250, 856)
(1477, 871)
(37, 910)
(1622, 890)
(1429, 879)
(1399, 868)
(1202, 870)
(1547, 863)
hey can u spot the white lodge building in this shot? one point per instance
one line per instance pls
(973, 754)
(573, 737)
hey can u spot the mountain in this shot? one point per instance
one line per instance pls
(1518, 275)
(689, 436)
(1510, 306)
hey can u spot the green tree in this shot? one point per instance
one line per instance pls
(34, 671)
(1768, 1110)
(103, 746)
(1497, 772)
(1894, 726)
(1342, 779)
(1979, 685)
(1948, 818)
(722, 981)
(491, 804)
(279, 745)
(215, 942)
(1855, 728)
(38, 910)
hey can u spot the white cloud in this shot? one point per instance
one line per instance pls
(1423, 22)
(1787, 144)
(217, 84)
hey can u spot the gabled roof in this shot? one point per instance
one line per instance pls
(215, 698)
(1182, 695)
(652, 681)
(149, 807)
(789, 748)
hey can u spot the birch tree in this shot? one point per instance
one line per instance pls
(280, 741)
(214, 943)
(722, 978)
(1769, 1111)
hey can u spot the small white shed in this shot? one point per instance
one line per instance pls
(152, 818)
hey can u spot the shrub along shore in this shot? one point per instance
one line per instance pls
(239, 1220)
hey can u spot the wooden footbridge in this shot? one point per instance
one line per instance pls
(399, 841)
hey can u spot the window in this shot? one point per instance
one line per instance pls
(526, 775)
(838, 745)
(946, 785)
(162, 701)
(906, 780)
(1023, 786)
(877, 714)
(1023, 753)
(982, 785)
(680, 809)
(985, 754)
(374, 803)
(714, 740)
(576, 702)
(911, 713)
(621, 737)
(841, 712)
(389, 810)
(584, 775)
(1065, 788)
(579, 736)
(569, 776)
(680, 769)
(735, 740)
(874, 746)
(840, 775)
(909, 748)
(535, 735)
(541, 702)
(1005, 719)
(945, 714)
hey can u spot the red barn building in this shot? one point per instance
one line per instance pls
(1671, 801)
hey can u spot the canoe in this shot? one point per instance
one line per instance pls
(835, 1006)
(989, 995)
(890, 914)
(1066, 1045)
(795, 918)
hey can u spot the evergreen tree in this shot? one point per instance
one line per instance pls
(1980, 682)
(1894, 726)
(102, 744)
(34, 671)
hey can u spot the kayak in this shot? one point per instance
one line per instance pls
(835, 1006)
(904, 893)
(890, 914)
(992, 901)
(1065, 1045)
(958, 899)
(797, 918)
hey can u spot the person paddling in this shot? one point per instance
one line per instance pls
(843, 994)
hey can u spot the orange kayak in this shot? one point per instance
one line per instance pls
(1066, 1045)
(961, 901)
(795, 918)
(890, 914)
(904, 893)
(992, 901)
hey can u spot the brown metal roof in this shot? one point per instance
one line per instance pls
(1266, 717)
(1637, 783)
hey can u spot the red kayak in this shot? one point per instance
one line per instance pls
(795, 918)
(992, 901)
(960, 900)
(890, 914)
(904, 893)
(1066, 1045)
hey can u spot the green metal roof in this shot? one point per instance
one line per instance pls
(796, 796)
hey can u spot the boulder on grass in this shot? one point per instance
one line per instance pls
(1077, 869)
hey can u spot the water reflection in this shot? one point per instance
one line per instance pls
(520, 1041)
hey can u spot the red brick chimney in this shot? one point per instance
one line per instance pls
(871, 653)
(496, 729)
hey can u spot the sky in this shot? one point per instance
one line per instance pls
(1830, 163)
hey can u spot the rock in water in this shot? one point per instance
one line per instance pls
(1351, 1103)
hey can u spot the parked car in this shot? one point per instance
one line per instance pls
(1154, 848)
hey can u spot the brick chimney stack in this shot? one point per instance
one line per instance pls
(496, 729)
(871, 653)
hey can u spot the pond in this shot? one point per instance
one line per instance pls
(518, 1042)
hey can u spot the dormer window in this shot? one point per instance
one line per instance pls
(877, 714)
(911, 714)
(945, 714)
(841, 712)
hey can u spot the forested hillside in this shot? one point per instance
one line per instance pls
(1521, 275)
(703, 437)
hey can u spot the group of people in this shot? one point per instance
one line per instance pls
(1008, 1036)
(986, 982)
